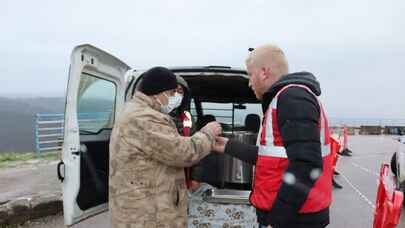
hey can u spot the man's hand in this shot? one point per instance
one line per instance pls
(213, 127)
(220, 143)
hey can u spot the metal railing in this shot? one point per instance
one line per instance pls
(48, 132)
(357, 122)
(49, 128)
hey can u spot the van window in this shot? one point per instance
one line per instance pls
(193, 110)
(96, 104)
(223, 112)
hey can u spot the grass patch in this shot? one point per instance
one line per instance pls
(10, 159)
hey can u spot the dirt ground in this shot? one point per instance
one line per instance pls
(28, 179)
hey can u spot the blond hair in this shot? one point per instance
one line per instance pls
(271, 56)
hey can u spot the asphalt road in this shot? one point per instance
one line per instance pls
(353, 206)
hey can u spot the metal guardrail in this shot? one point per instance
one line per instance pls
(357, 122)
(48, 132)
(49, 128)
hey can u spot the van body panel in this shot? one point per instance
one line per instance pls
(93, 68)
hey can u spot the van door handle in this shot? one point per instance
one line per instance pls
(60, 177)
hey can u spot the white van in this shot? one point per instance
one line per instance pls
(98, 86)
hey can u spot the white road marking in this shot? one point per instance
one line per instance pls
(365, 169)
(358, 192)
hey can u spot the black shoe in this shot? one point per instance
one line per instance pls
(346, 152)
(336, 185)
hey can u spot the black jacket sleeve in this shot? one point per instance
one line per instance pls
(298, 113)
(243, 151)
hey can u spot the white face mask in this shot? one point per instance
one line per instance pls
(174, 102)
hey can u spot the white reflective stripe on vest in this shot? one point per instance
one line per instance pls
(187, 121)
(325, 150)
(272, 151)
(280, 152)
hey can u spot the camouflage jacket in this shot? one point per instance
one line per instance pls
(147, 157)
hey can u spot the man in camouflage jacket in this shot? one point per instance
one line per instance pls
(148, 156)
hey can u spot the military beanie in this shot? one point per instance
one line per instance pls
(157, 80)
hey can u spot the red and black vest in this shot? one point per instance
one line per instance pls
(187, 123)
(272, 162)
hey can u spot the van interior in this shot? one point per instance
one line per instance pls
(235, 107)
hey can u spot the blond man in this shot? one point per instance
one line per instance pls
(292, 182)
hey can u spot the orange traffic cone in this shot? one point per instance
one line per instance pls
(334, 147)
(346, 151)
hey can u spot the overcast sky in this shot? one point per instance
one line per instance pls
(355, 48)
